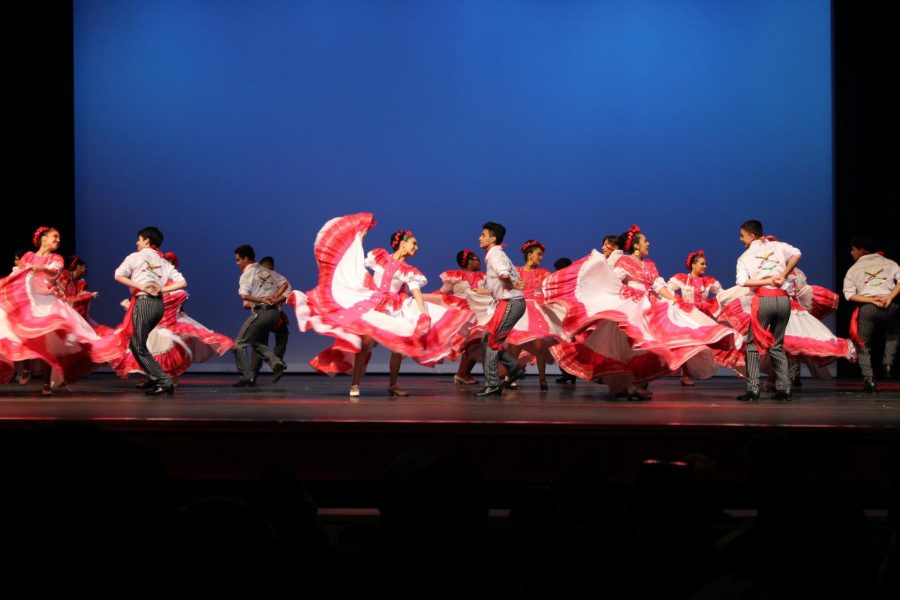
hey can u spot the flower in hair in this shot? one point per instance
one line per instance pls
(36, 238)
(531, 244)
(690, 258)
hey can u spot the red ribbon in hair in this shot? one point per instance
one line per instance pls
(532, 244)
(36, 238)
(398, 236)
(629, 237)
(73, 262)
(466, 255)
(689, 263)
(172, 258)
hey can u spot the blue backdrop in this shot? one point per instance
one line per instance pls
(229, 122)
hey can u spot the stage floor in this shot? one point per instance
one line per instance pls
(210, 436)
(310, 399)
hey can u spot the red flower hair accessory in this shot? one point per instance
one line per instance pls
(689, 263)
(36, 238)
(172, 258)
(527, 246)
(629, 238)
(464, 259)
(398, 237)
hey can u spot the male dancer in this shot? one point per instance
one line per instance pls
(282, 326)
(873, 283)
(146, 272)
(262, 288)
(764, 267)
(505, 286)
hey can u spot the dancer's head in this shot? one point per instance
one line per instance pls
(860, 245)
(404, 242)
(244, 255)
(46, 238)
(468, 260)
(533, 251)
(491, 233)
(751, 231)
(610, 245)
(267, 262)
(562, 263)
(152, 238)
(634, 241)
(696, 263)
(76, 266)
(18, 256)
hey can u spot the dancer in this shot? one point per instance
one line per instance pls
(505, 285)
(177, 341)
(539, 328)
(37, 323)
(282, 326)
(565, 377)
(455, 286)
(873, 283)
(695, 288)
(359, 310)
(764, 267)
(623, 323)
(611, 250)
(262, 288)
(150, 277)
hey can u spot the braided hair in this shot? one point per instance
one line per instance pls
(401, 235)
(39, 233)
(463, 256)
(627, 239)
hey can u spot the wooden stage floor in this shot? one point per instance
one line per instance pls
(209, 431)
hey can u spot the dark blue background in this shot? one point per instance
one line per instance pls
(236, 122)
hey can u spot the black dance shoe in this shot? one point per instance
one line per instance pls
(278, 370)
(782, 396)
(161, 389)
(146, 385)
(515, 375)
(869, 387)
(888, 372)
(490, 390)
(639, 395)
(244, 383)
(749, 396)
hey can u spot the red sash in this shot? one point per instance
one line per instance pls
(763, 338)
(494, 324)
(854, 328)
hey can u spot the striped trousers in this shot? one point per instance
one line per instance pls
(774, 312)
(147, 313)
(254, 334)
(870, 317)
(515, 308)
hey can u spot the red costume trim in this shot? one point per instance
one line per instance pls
(763, 338)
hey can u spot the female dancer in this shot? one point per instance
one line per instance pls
(625, 322)
(539, 328)
(36, 322)
(694, 288)
(454, 289)
(358, 309)
(177, 341)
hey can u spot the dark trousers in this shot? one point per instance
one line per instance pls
(515, 308)
(281, 341)
(870, 317)
(147, 313)
(254, 334)
(774, 312)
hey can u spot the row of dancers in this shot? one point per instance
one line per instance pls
(607, 317)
